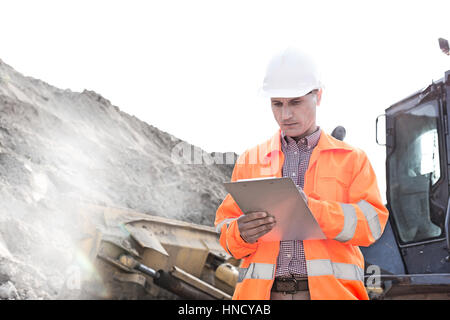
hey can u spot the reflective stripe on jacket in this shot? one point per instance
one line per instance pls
(344, 198)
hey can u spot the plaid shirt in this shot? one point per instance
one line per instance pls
(291, 259)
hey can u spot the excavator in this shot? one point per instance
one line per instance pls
(412, 258)
(131, 255)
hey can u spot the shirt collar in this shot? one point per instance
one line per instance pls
(310, 140)
(326, 142)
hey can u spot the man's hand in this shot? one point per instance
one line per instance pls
(254, 225)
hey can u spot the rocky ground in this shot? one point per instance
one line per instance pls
(60, 148)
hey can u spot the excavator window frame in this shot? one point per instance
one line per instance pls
(403, 107)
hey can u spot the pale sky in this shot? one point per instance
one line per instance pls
(193, 68)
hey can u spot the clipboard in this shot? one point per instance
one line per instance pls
(280, 198)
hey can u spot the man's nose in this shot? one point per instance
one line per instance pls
(286, 112)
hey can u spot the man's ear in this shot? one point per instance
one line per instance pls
(319, 97)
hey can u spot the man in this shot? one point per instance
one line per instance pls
(337, 182)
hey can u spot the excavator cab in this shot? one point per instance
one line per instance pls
(412, 258)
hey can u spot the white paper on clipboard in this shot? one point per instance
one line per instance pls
(280, 198)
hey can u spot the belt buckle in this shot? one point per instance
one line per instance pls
(294, 282)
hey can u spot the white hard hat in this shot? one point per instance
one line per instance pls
(291, 73)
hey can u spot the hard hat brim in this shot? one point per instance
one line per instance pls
(287, 93)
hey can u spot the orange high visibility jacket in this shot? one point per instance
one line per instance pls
(344, 198)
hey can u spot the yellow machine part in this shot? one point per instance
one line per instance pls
(227, 273)
(226, 277)
(162, 244)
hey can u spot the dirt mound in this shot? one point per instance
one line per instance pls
(60, 148)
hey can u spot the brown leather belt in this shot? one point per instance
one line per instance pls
(290, 285)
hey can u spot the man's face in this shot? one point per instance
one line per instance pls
(297, 116)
